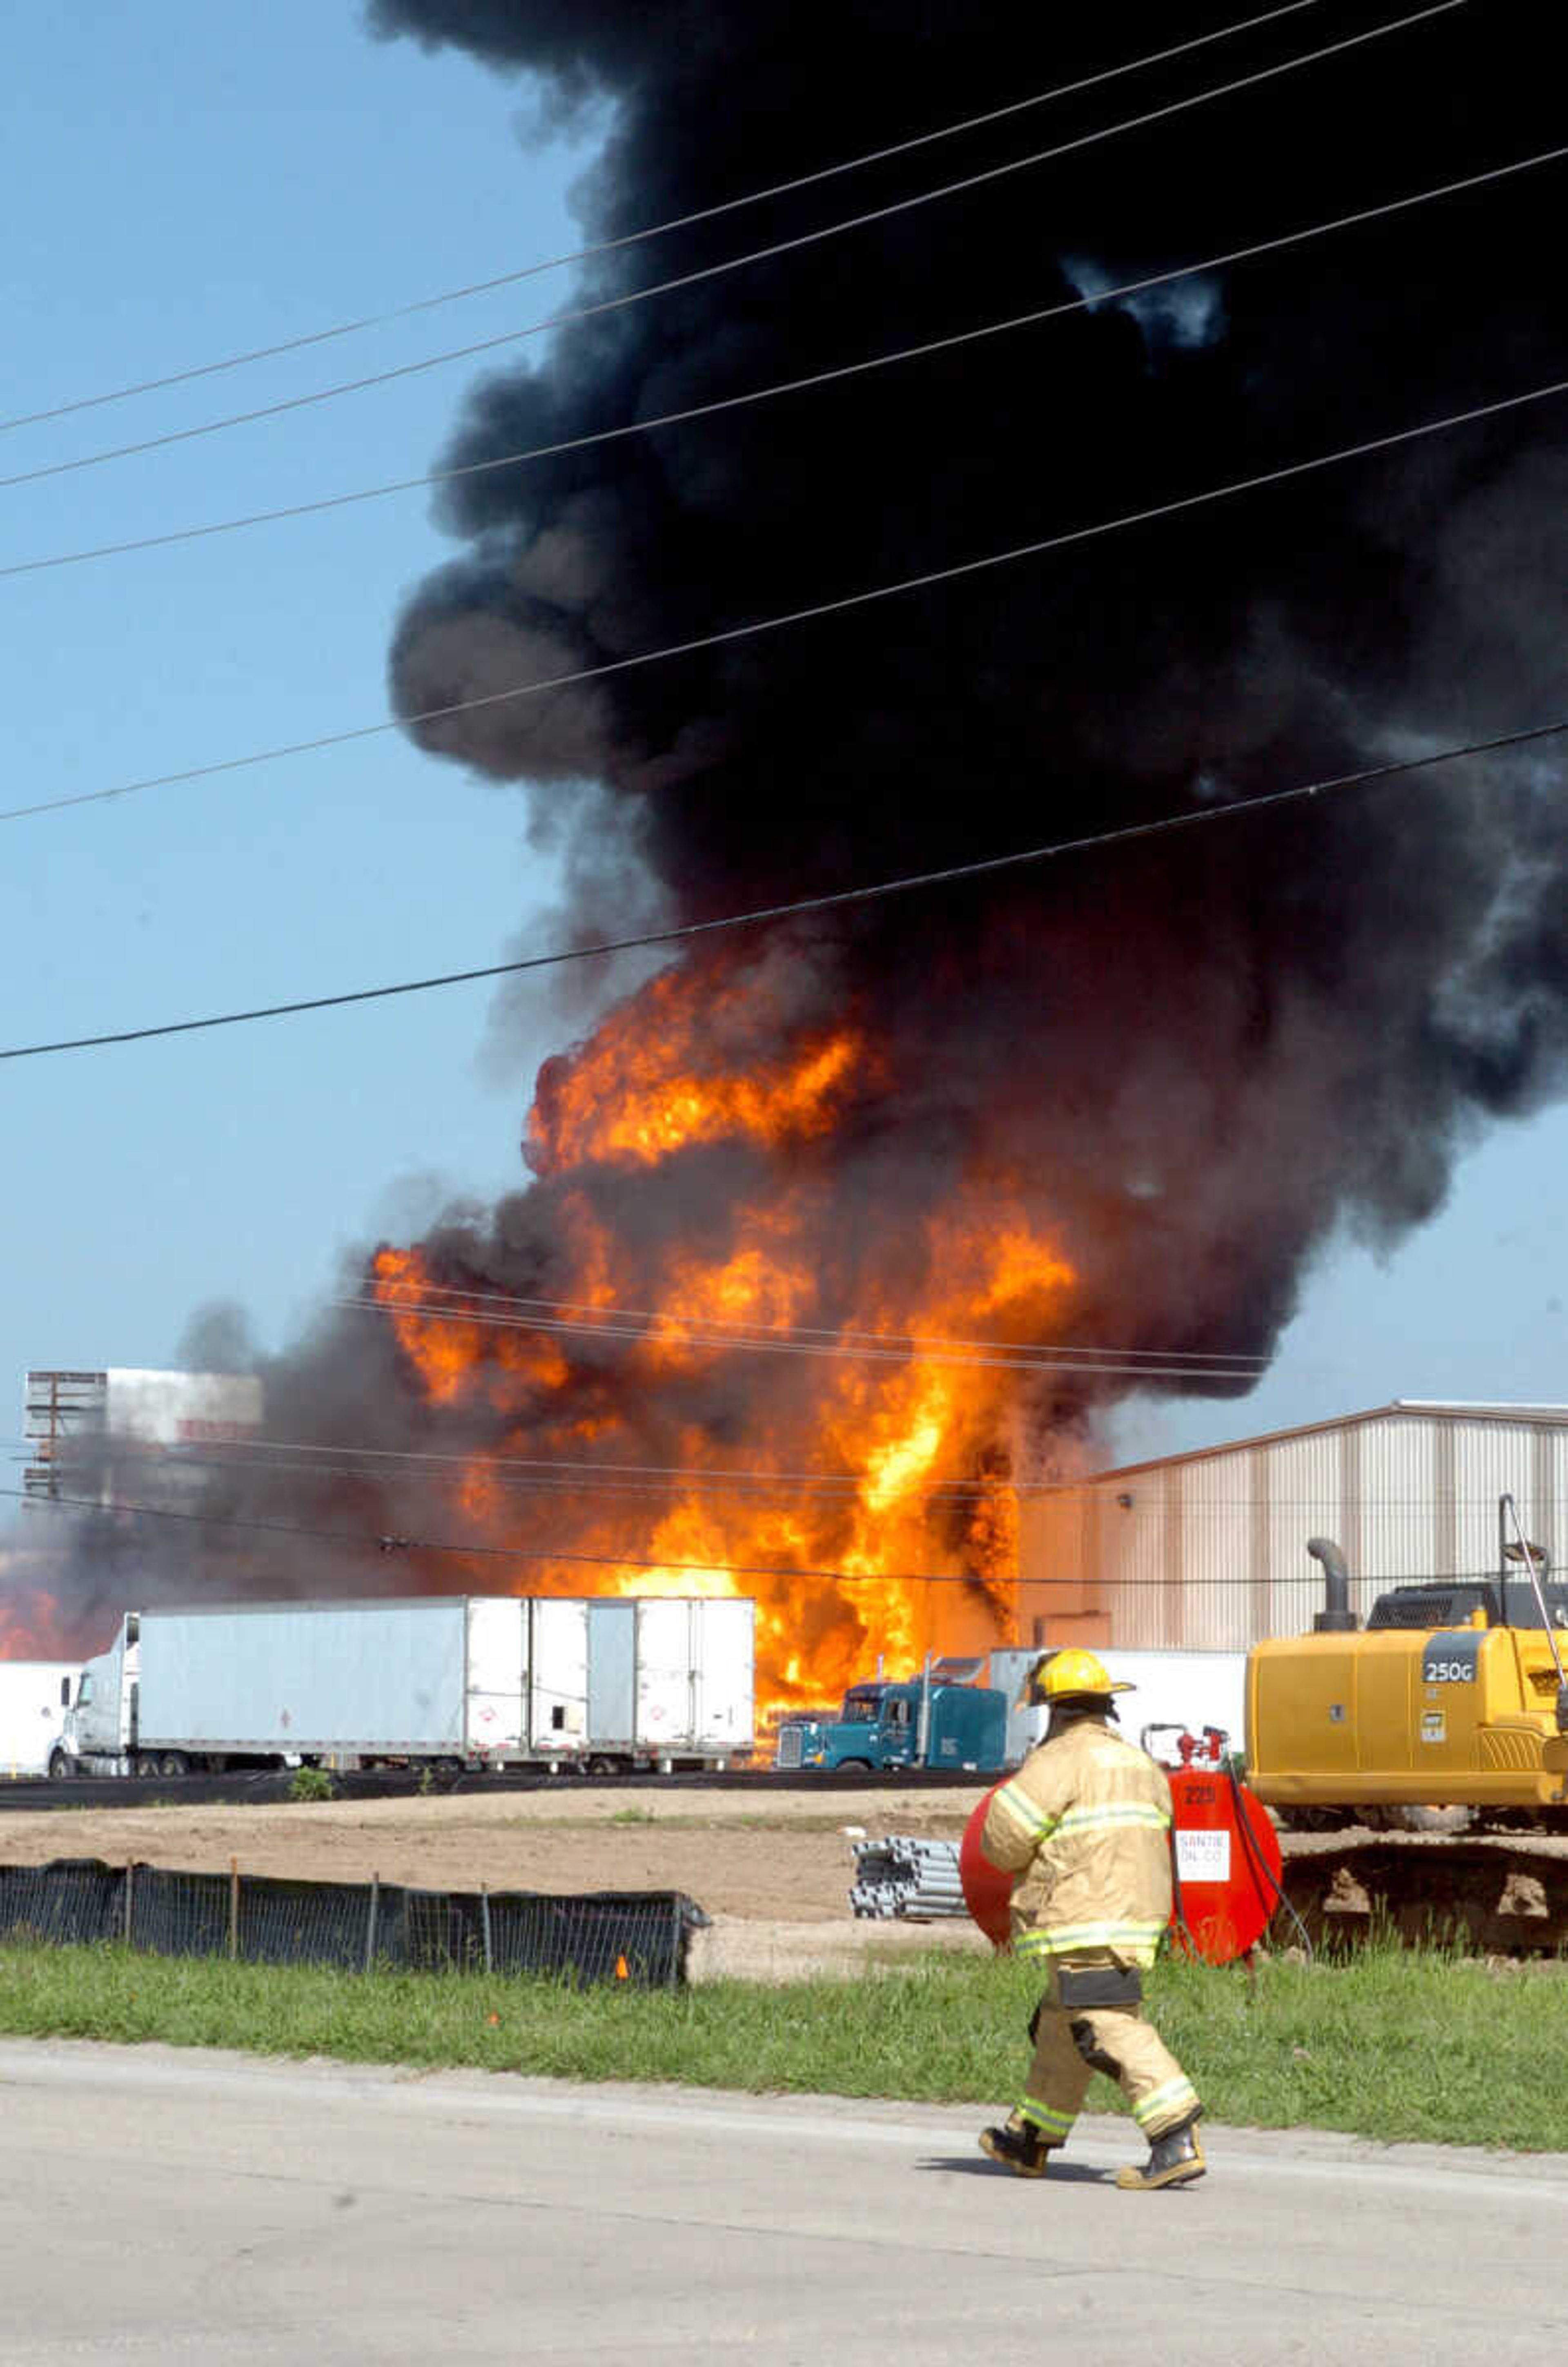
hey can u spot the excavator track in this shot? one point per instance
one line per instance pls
(1504, 1895)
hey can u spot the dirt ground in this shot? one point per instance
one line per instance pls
(773, 1870)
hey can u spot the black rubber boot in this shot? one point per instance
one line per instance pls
(1175, 2160)
(1024, 2150)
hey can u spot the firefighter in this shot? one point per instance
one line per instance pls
(1083, 1829)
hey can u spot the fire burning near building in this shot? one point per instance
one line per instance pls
(841, 1232)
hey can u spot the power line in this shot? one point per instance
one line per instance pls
(755, 1499)
(576, 1467)
(566, 1476)
(472, 1550)
(510, 1553)
(655, 229)
(674, 1335)
(826, 1495)
(540, 1483)
(838, 898)
(263, 1457)
(812, 380)
(575, 1474)
(834, 1332)
(114, 1449)
(814, 614)
(830, 1496)
(1366, 1500)
(732, 263)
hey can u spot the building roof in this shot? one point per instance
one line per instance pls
(1429, 1409)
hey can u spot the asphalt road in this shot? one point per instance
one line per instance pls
(157, 2206)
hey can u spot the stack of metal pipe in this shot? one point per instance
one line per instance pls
(906, 1879)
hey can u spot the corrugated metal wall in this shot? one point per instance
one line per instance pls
(1208, 1552)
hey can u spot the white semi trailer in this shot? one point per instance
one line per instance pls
(1174, 1691)
(452, 1681)
(34, 1697)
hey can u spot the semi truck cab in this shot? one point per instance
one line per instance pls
(100, 1732)
(880, 1724)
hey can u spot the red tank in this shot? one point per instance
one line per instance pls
(1225, 1861)
(987, 1889)
(1225, 1857)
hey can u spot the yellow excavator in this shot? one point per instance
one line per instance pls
(1451, 1696)
(1439, 1725)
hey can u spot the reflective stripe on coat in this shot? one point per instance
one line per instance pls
(1082, 1827)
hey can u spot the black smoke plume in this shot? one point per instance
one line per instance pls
(1191, 1057)
(1201, 1051)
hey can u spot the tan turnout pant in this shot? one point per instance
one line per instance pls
(1071, 2042)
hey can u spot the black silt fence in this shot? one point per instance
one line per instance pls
(74, 1902)
(607, 1935)
(346, 1924)
(639, 1938)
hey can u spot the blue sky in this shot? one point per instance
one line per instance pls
(185, 182)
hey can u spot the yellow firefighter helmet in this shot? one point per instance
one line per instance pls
(1072, 1670)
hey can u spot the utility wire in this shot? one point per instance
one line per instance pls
(561, 1485)
(831, 1333)
(576, 1474)
(732, 263)
(474, 1551)
(387, 1544)
(953, 1495)
(815, 379)
(674, 1335)
(663, 1480)
(654, 230)
(576, 1470)
(576, 1467)
(838, 899)
(819, 609)
(567, 1477)
(571, 1477)
(805, 1331)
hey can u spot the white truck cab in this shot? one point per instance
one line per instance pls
(99, 1734)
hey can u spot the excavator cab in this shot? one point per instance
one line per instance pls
(1451, 1695)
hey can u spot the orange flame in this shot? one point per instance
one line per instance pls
(31, 1623)
(877, 1456)
(639, 1092)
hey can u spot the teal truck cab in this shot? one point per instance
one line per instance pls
(909, 1724)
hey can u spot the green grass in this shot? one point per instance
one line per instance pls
(1389, 2045)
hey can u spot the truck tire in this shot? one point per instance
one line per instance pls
(61, 1766)
(861, 1766)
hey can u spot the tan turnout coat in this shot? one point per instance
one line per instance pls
(1082, 1826)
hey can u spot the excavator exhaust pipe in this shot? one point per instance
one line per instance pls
(1336, 1618)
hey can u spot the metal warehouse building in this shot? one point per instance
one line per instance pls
(1207, 1551)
